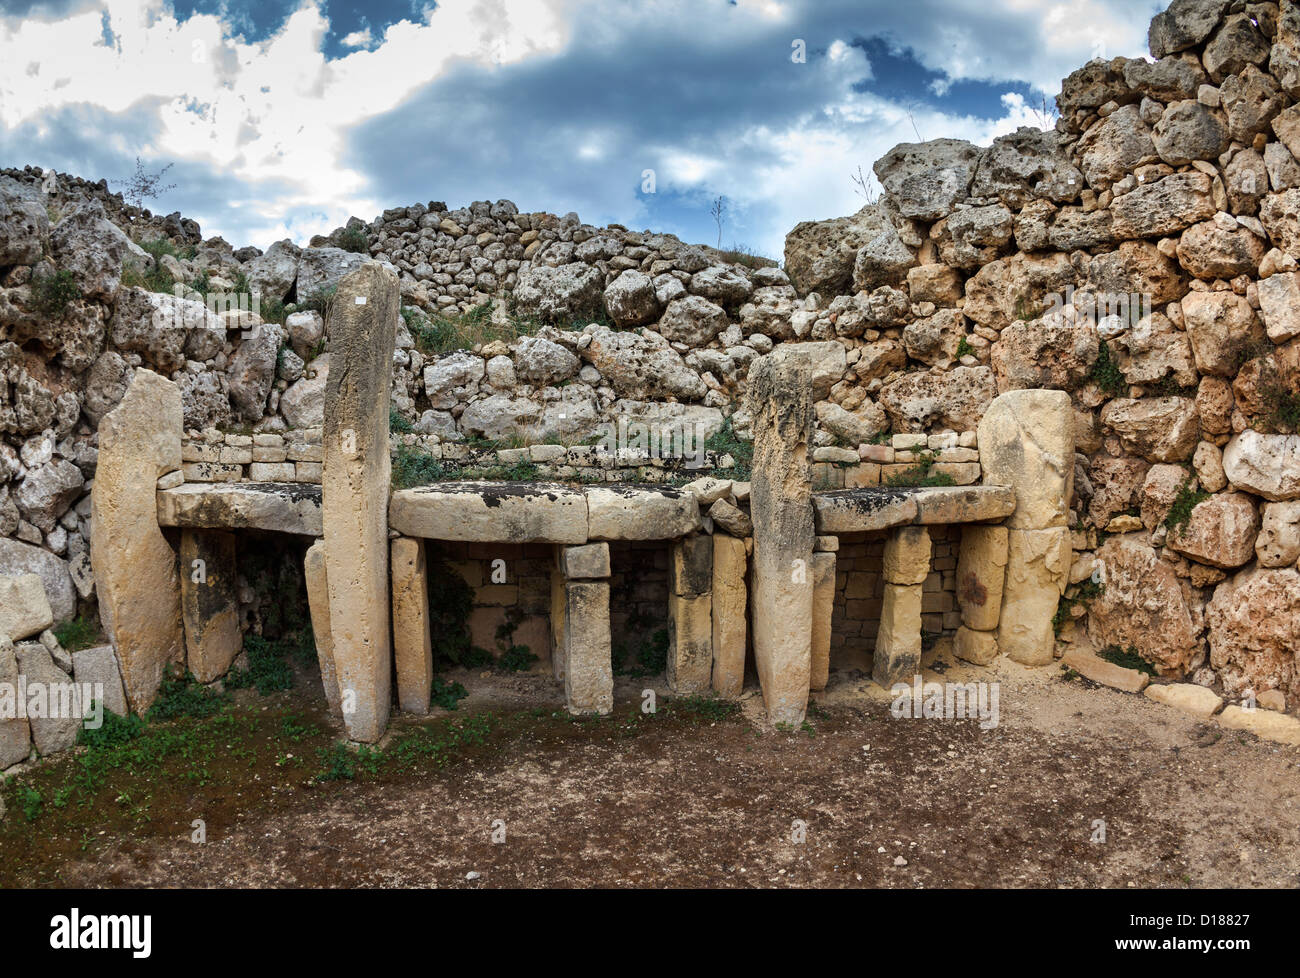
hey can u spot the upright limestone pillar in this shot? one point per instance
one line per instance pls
(780, 403)
(1026, 441)
(981, 574)
(135, 568)
(412, 638)
(209, 602)
(355, 491)
(318, 602)
(690, 615)
(898, 643)
(730, 615)
(823, 568)
(587, 651)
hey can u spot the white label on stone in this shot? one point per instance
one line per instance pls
(361, 300)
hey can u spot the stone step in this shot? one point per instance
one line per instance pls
(1265, 724)
(1187, 698)
(1091, 666)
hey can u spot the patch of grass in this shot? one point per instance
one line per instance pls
(1105, 373)
(354, 239)
(398, 423)
(112, 733)
(185, 696)
(77, 634)
(442, 333)
(413, 466)
(725, 441)
(1281, 407)
(321, 301)
(447, 695)
(53, 291)
(702, 708)
(921, 474)
(739, 254)
(268, 671)
(1087, 591)
(1127, 659)
(964, 349)
(1180, 513)
(31, 801)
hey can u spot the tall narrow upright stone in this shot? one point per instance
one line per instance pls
(780, 402)
(135, 567)
(318, 602)
(209, 603)
(823, 568)
(898, 642)
(730, 607)
(412, 639)
(355, 491)
(690, 615)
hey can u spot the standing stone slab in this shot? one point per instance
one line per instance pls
(64, 710)
(209, 603)
(898, 643)
(318, 601)
(823, 571)
(99, 668)
(780, 402)
(1026, 441)
(135, 568)
(16, 732)
(729, 616)
(559, 607)
(1038, 568)
(589, 670)
(412, 639)
(907, 555)
(981, 573)
(690, 643)
(354, 491)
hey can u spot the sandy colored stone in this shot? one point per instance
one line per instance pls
(98, 666)
(730, 615)
(1187, 697)
(1278, 543)
(1266, 465)
(1026, 440)
(354, 498)
(963, 504)
(559, 604)
(1272, 699)
(58, 730)
(135, 568)
(1265, 724)
(318, 601)
(491, 513)
(233, 506)
(16, 732)
(210, 603)
(907, 555)
(690, 642)
(24, 608)
(412, 638)
(823, 570)
(780, 403)
(978, 648)
(1038, 566)
(1254, 630)
(898, 641)
(863, 510)
(981, 574)
(1091, 666)
(640, 513)
(1221, 531)
(690, 568)
(588, 672)
(589, 561)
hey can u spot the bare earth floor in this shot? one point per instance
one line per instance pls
(690, 799)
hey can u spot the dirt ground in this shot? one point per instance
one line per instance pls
(687, 799)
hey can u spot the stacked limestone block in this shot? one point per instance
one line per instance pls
(583, 652)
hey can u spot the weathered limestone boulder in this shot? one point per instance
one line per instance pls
(252, 370)
(539, 360)
(18, 559)
(1209, 251)
(588, 562)
(640, 513)
(631, 299)
(1254, 630)
(277, 508)
(98, 667)
(558, 294)
(898, 642)
(954, 399)
(1143, 607)
(1025, 165)
(1190, 131)
(1038, 568)
(1154, 349)
(272, 274)
(412, 638)
(57, 730)
(91, 247)
(1266, 465)
(318, 602)
(1017, 287)
(1279, 305)
(856, 427)
(24, 609)
(47, 492)
(26, 224)
(863, 510)
(1165, 206)
(15, 732)
(1265, 724)
(303, 404)
(1278, 543)
(1221, 532)
(209, 603)
(690, 615)
(588, 668)
(1186, 698)
(780, 404)
(1115, 148)
(883, 260)
(927, 180)
(1044, 354)
(1236, 45)
(730, 615)
(977, 648)
(820, 255)
(731, 519)
(165, 329)
(1221, 327)
(726, 285)
(692, 320)
(1160, 429)
(981, 574)
(321, 271)
(944, 505)
(1026, 440)
(355, 490)
(641, 367)
(135, 567)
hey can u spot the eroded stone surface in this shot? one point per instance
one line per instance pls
(1026, 441)
(492, 512)
(730, 615)
(279, 507)
(209, 603)
(412, 639)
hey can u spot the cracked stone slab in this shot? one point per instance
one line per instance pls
(497, 512)
(281, 507)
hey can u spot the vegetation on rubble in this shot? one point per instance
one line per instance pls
(725, 441)
(78, 633)
(921, 475)
(1180, 513)
(446, 695)
(354, 239)
(1084, 593)
(514, 657)
(1281, 402)
(647, 655)
(53, 291)
(1127, 659)
(1105, 373)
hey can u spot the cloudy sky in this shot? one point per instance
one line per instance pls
(285, 117)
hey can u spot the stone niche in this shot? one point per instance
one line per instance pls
(638, 601)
